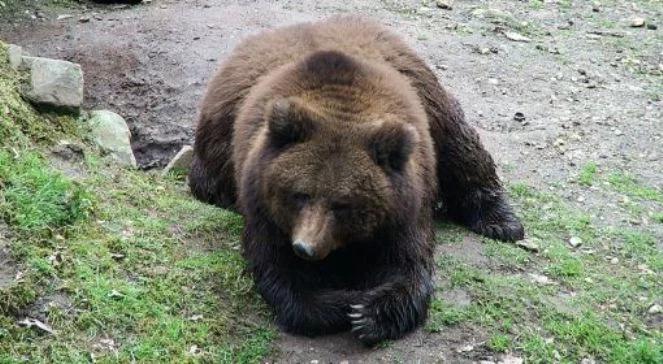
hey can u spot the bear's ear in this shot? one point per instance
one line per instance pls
(392, 144)
(289, 122)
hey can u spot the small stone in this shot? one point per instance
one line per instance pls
(519, 117)
(15, 55)
(651, 26)
(465, 349)
(442, 67)
(510, 359)
(516, 37)
(637, 22)
(54, 83)
(484, 50)
(64, 16)
(344, 362)
(588, 361)
(84, 19)
(575, 242)
(614, 260)
(655, 309)
(444, 4)
(596, 7)
(530, 244)
(111, 134)
(315, 361)
(539, 278)
(181, 161)
(493, 81)
(115, 294)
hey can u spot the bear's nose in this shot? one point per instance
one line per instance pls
(303, 250)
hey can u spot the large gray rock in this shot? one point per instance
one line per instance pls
(110, 132)
(54, 83)
(181, 161)
(15, 55)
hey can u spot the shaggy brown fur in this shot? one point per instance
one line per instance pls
(331, 139)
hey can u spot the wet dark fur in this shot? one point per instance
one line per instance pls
(377, 284)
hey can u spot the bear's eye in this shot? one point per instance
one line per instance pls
(299, 199)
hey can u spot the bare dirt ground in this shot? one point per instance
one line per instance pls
(587, 83)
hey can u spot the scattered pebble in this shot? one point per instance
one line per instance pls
(84, 19)
(651, 26)
(465, 349)
(516, 37)
(64, 16)
(519, 117)
(510, 359)
(637, 22)
(115, 294)
(444, 4)
(530, 244)
(539, 278)
(614, 260)
(575, 242)
(655, 309)
(596, 7)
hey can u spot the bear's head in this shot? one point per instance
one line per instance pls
(344, 161)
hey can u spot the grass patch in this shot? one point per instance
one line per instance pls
(123, 265)
(628, 185)
(588, 174)
(592, 301)
(34, 198)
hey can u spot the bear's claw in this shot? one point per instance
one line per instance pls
(365, 326)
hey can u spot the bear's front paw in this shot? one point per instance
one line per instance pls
(364, 325)
(499, 223)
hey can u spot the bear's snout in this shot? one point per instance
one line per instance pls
(312, 237)
(304, 250)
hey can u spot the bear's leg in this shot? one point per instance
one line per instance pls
(294, 289)
(468, 184)
(211, 178)
(469, 187)
(393, 308)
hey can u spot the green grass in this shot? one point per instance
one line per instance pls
(588, 174)
(590, 306)
(125, 265)
(628, 185)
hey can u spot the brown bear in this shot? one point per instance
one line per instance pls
(336, 143)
